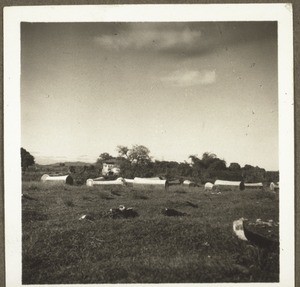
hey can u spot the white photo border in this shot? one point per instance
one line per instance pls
(13, 16)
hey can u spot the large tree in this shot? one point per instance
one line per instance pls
(139, 154)
(26, 159)
(208, 158)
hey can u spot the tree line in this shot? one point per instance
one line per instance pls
(137, 162)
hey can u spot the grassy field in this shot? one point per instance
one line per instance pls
(150, 248)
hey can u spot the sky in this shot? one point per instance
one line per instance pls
(179, 89)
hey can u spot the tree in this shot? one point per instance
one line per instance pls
(248, 167)
(126, 169)
(184, 169)
(139, 154)
(195, 159)
(122, 151)
(102, 158)
(234, 166)
(217, 164)
(26, 159)
(208, 158)
(105, 156)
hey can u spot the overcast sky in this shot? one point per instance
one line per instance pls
(177, 88)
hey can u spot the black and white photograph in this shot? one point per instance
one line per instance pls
(149, 144)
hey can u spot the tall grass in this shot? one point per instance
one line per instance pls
(58, 248)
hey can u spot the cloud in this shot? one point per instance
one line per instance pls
(153, 37)
(190, 78)
(183, 39)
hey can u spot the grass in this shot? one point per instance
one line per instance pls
(58, 248)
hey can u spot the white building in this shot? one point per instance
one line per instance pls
(110, 167)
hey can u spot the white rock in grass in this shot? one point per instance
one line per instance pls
(238, 228)
(122, 207)
(208, 186)
(86, 217)
(82, 217)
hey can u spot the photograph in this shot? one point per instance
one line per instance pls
(149, 145)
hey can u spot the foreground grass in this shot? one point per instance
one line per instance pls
(151, 248)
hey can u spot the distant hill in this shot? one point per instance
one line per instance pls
(78, 163)
(68, 163)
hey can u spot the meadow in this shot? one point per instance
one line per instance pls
(58, 248)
